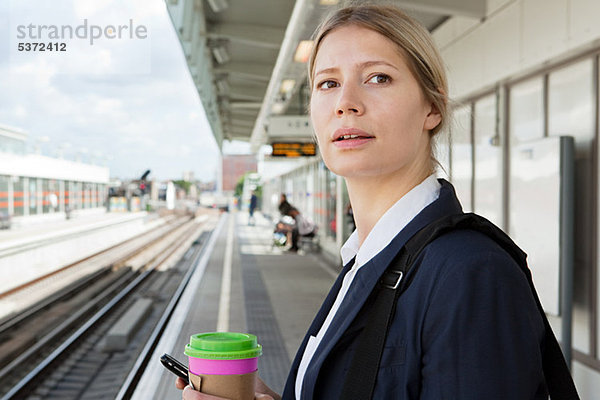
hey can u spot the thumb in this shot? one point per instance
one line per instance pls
(262, 396)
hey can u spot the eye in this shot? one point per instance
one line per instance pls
(327, 84)
(379, 78)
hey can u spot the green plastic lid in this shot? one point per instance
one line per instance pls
(223, 346)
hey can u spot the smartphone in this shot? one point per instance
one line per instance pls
(175, 366)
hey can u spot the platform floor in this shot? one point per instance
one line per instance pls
(274, 295)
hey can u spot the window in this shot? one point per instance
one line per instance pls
(331, 189)
(462, 156)
(33, 196)
(488, 161)
(46, 198)
(571, 112)
(4, 194)
(19, 196)
(571, 101)
(526, 121)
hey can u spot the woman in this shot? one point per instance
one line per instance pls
(467, 327)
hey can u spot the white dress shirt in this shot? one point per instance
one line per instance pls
(386, 229)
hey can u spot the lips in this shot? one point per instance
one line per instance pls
(350, 134)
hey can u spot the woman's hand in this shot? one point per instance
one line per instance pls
(263, 390)
(191, 394)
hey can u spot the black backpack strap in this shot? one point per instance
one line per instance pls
(360, 380)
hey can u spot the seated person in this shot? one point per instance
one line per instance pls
(304, 227)
(284, 206)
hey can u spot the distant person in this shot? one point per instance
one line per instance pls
(304, 227)
(284, 206)
(252, 208)
(350, 218)
(53, 200)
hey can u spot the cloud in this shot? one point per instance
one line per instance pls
(20, 111)
(86, 8)
(150, 119)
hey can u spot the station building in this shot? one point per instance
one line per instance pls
(34, 187)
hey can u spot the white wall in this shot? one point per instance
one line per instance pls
(517, 36)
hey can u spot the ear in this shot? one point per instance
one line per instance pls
(432, 119)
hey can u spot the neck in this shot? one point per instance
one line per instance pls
(372, 197)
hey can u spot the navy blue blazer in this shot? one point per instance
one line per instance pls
(466, 328)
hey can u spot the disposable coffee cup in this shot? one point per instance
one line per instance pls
(224, 364)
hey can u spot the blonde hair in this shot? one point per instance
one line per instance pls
(413, 40)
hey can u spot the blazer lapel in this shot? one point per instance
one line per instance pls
(289, 389)
(363, 283)
(366, 279)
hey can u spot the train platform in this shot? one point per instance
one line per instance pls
(242, 283)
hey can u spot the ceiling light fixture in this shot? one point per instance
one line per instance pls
(287, 85)
(303, 51)
(222, 86)
(218, 5)
(221, 55)
(277, 108)
(329, 2)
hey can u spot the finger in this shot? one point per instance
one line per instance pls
(262, 396)
(263, 389)
(191, 394)
(180, 383)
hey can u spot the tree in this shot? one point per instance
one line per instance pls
(239, 186)
(185, 185)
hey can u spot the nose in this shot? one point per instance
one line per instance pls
(349, 102)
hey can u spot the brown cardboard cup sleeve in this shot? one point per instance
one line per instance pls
(233, 387)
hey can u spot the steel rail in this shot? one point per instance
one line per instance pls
(72, 265)
(132, 379)
(24, 385)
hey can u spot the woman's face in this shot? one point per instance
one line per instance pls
(367, 109)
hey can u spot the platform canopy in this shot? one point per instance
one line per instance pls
(246, 60)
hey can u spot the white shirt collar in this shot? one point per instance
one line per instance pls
(391, 223)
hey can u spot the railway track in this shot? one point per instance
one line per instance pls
(80, 365)
(43, 288)
(27, 243)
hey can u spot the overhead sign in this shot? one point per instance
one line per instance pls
(293, 149)
(290, 126)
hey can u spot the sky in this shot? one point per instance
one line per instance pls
(128, 103)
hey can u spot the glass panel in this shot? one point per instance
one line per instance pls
(462, 156)
(526, 120)
(442, 154)
(46, 198)
(310, 192)
(86, 195)
(570, 108)
(53, 195)
(102, 196)
(19, 196)
(4, 198)
(68, 195)
(33, 196)
(319, 198)
(95, 202)
(488, 161)
(77, 196)
(331, 203)
(570, 102)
